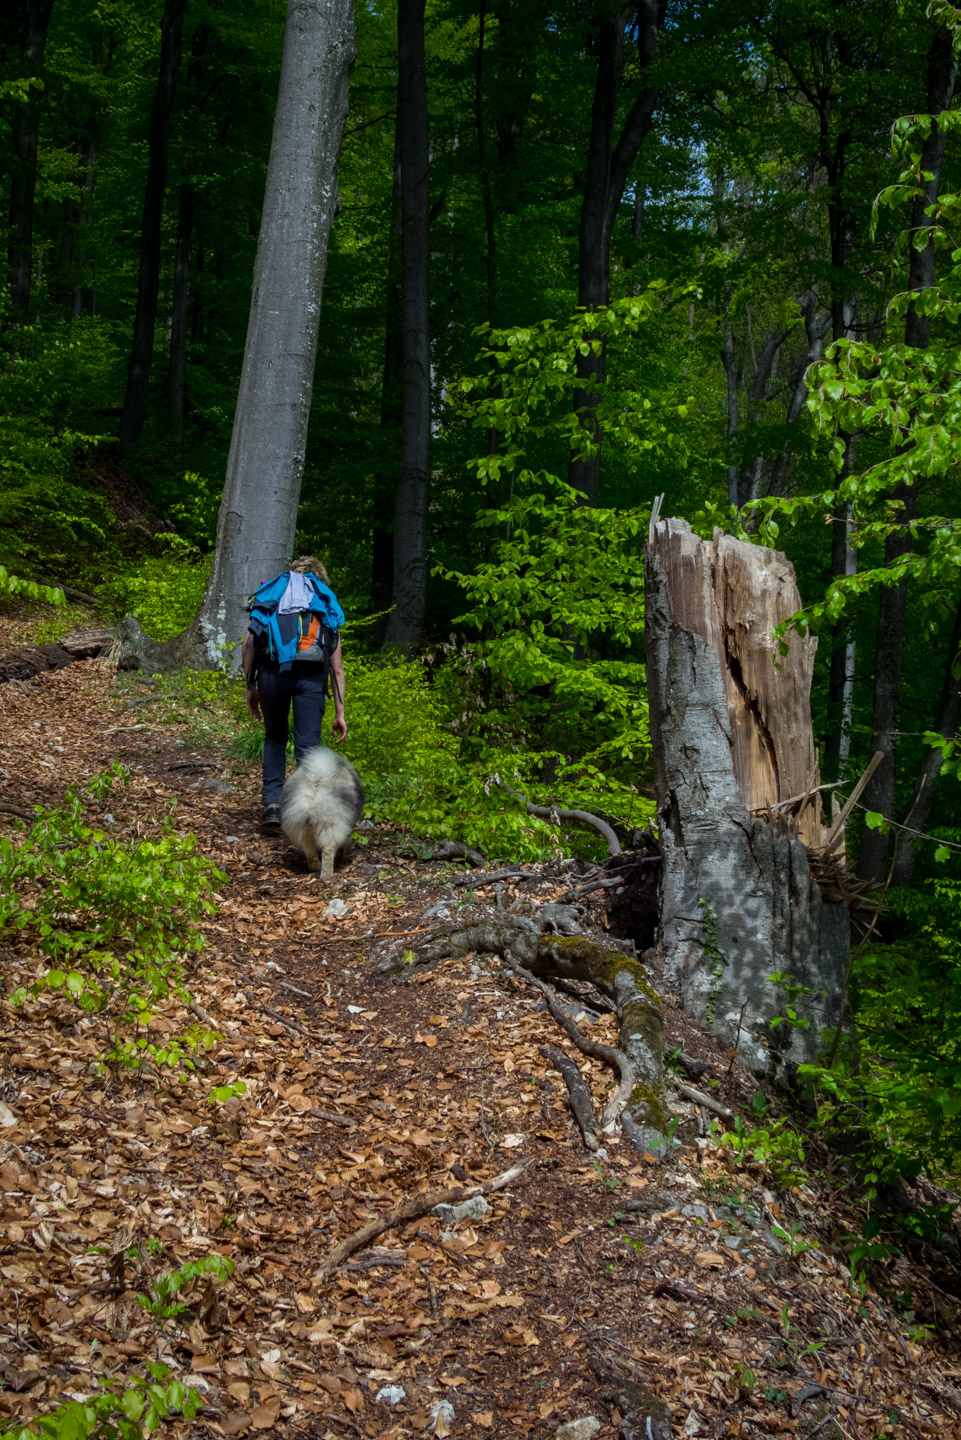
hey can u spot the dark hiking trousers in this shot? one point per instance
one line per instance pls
(304, 685)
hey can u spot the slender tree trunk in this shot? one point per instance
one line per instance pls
(180, 297)
(844, 562)
(490, 250)
(258, 511)
(815, 328)
(732, 738)
(25, 29)
(729, 361)
(69, 289)
(406, 621)
(922, 796)
(391, 412)
(148, 284)
(893, 600)
(179, 310)
(608, 166)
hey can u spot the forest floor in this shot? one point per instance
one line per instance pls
(359, 1096)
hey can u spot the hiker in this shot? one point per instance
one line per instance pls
(291, 650)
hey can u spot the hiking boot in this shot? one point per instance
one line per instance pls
(270, 820)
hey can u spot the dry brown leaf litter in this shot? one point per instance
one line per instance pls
(358, 1096)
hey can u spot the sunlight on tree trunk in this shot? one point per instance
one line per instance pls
(258, 512)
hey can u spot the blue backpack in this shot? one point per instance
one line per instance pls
(281, 636)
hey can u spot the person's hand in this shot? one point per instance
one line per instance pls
(340, 728)
(253, 703)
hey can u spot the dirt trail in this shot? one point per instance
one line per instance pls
(360, 1095)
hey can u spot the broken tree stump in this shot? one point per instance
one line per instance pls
(732, 740)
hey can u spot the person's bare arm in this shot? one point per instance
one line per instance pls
(247, 662)
(338, 687)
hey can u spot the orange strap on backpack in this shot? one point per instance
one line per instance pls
(308, 638)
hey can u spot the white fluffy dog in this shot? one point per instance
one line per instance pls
(320, 806)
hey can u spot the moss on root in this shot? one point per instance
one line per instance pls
(647, 1106)
(601, 964)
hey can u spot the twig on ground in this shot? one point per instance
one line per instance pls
(608, 881)
(613, 1057)
(380, 935)
(296, 989)
(676, 1291)
(491, 876)
(274, 1015)
(556, 814)
(578, 1095)
(447, 850)
(413, 1209)
(699, 1098)
(331, 1118)
(16, 810)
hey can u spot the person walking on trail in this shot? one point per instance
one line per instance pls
(291, 651)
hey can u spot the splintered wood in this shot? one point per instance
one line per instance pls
(734, 595)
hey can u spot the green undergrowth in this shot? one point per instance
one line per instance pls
(162, 589)
(895, 1096)
(109, 923)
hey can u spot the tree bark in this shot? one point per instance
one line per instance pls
(893, 600)
(608, 166)
(732, 737)
(406, 621)
(24, 29)
(258, 511)
(148, 282)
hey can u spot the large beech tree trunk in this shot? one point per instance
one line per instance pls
(732, 737)
(258, 511)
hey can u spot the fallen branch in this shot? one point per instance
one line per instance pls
(597, 1051)
(446, 850)
(699, 1098)
(413, 1209)
(491, 876)
(555, 814)
(274, 1015)
(15, 810)
(578, 1095)
(331, 1117)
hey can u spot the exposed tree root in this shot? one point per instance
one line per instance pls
(578, 1095)
(412, 1210)
(597, 1051)
(537, 956)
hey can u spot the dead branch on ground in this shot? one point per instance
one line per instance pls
(413, 1209)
